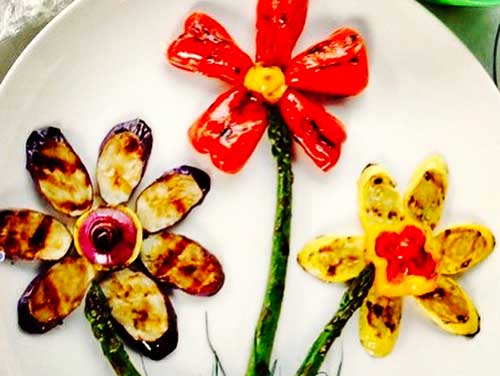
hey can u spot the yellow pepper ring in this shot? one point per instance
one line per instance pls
(267, 81)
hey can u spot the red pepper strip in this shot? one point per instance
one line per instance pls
(336, 66)
(230, 129)
(206, 47)
(279, 24)
(319, 133)
(405, 254)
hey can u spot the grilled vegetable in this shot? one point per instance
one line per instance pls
(142, 313)
(58, 172)
(109, 237)
(207, 48)
(54, 294)
(351, 301)
(265, 330)
(171, 197)
(340, 60)
(123, 157)
(183, 263)
(451, 308)
(98, 315)
(29, 235)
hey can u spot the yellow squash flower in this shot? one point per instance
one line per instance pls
(409, 258)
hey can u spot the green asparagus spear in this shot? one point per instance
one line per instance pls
(98, 315)
(281, 143)
(351, 301)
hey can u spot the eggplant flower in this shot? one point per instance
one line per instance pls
(131, 254)
(409, 258)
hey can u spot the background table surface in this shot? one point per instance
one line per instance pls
(476, 27)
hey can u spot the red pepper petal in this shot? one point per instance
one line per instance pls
(230, 129)
(317, 132)
(279, 25)
(337, 66)
(207, 48)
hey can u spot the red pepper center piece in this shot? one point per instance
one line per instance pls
(108, 237)
(268, 82)
(405, 254)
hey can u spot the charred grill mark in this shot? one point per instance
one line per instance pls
(57, 171)
(38, 239)
(320, 135)
(179, 206)
(132, 145)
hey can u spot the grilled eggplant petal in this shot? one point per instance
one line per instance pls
(123, 158)
(171, 197)
(54, 294)
(183, 263)
(142, 313)
(30, 235)
(58, 172)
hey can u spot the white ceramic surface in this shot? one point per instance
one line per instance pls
(102, 62)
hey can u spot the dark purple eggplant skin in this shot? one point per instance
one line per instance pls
(200, 176)
(164, 345)
(25, 319)
(36, 141)
(167, 343)
(141, 130)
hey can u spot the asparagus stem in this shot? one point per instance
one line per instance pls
(98, 315)
(265, 331)
(351, 301)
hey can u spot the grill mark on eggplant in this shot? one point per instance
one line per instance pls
(171, 197)
(58, 172)
(121, 168)
(38, 239)
(29, 235)
(126, 288)
(182, 263)
(54, 294)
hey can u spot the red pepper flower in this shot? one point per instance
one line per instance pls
(231, 127)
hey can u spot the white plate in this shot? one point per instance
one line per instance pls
(102, 62)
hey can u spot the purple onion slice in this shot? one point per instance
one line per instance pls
(123, 157)
(183, 263)
(142, 313)
(54, 294)
(171, 197)
(109, 237)
(58, 172)
(30, 235)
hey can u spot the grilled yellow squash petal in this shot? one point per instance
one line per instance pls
(332, 258)
(451, 308)
(379, 321)
(379, 201)
(426, 192)
(463, 246)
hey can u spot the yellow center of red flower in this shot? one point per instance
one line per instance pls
(269, 82)
(406, 262)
